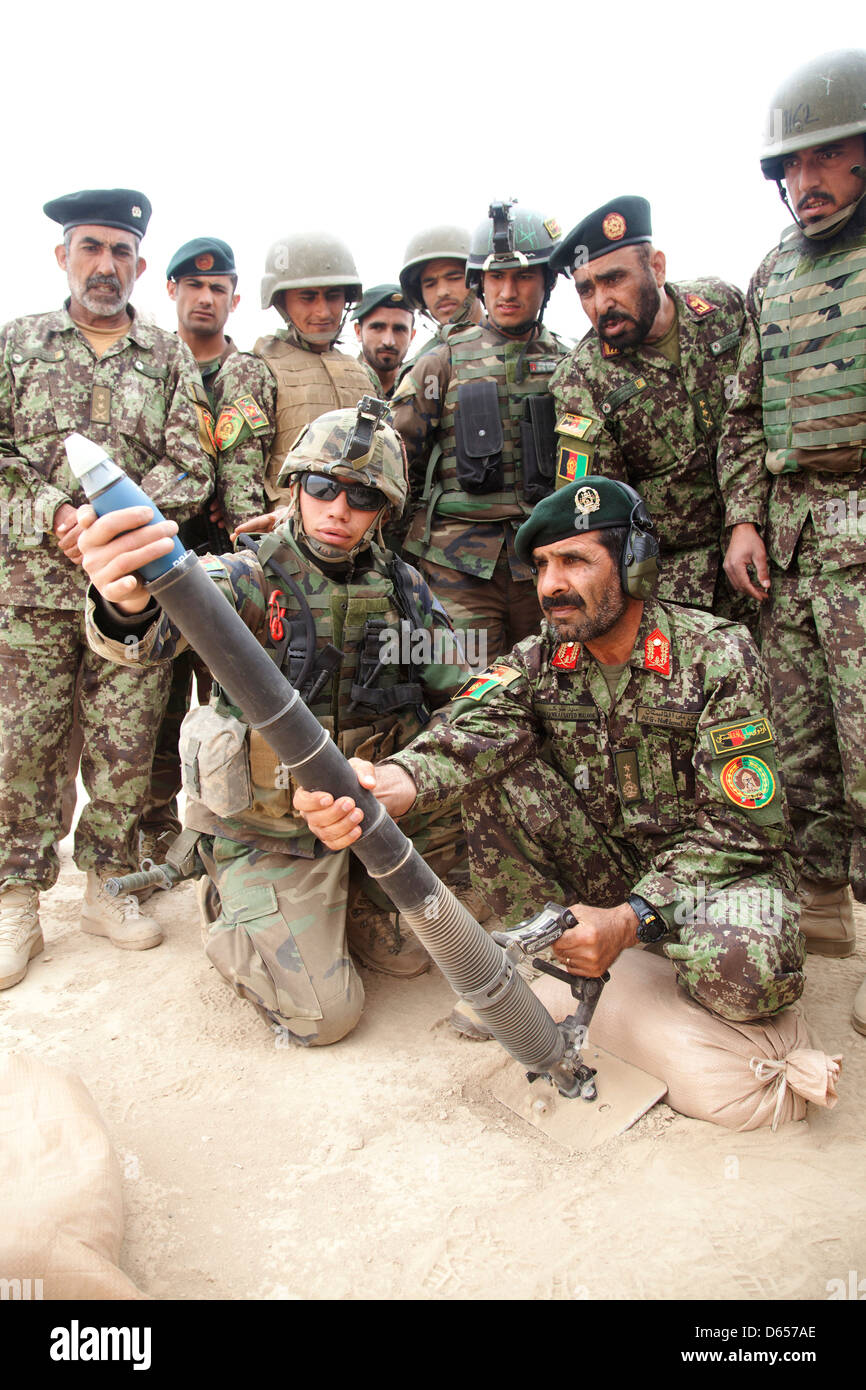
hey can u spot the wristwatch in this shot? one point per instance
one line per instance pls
(651, 926)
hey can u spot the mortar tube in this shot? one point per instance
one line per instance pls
(474, 965)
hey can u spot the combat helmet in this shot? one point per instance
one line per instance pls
(822, 101)
(306, 260)
(445, 243)
(356, 446)
(511, 238)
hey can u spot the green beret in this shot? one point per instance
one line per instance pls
(591, 504)
(125, 208)
(625, 221)
(204, 255)
(381, 297)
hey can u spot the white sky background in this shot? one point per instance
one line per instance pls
(372, 120)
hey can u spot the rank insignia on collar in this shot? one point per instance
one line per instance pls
(607, 350)
(657, 653)
(566, 656)
(699, 305)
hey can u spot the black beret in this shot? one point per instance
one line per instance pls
(625, 221)
(204, 255)
(125, 208)
(591, 504)
(381, 297)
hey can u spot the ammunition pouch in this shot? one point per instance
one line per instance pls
(370, 667)
(214, 759)
(538, 447)
(478, 437)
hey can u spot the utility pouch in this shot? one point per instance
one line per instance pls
(215, 763)
(478, 437)
(538, 446)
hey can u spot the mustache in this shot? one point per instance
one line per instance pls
(95, 281)
(614, 316)
(569, 600)
(815, 198)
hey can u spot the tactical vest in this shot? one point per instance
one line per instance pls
(475, 358)
(813, 345)
(308, 385)
(348, 619)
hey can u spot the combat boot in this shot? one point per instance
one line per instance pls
(120, 919)
(382, 942)
(826, 917)
(20, 933)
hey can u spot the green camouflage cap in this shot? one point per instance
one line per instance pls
(204, 255)
(381, 297)
(591, 504)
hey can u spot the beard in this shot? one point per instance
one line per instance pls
(581, 627)
(101, 305)
(812, 248)
(642, 321)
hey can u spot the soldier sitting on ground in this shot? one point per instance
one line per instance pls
(620, 762)
(371, 651)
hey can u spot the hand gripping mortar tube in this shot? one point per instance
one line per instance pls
(475, 966)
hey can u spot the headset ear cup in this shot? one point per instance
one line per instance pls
(639, 567)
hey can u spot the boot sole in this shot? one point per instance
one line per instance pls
(7, 981)
(859, 1024)
(98, 929)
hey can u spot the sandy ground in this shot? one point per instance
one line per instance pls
(384, 1168)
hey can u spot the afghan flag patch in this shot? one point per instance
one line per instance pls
(657, 653)
(574, 425)
(478, 686)
(252, 412)
(571, 464)
(748, 782)
(735, 736)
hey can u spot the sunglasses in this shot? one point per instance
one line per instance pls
(362, 499)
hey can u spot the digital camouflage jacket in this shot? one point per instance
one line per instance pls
(635, 415)
(143, 401)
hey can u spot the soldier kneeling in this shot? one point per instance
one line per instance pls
(370, 650)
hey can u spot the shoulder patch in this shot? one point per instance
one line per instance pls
(748, 782)
(478, 686)
(205, 430)
(698, 305)
(575, 426)
(252, 413)
(570, 465)
(228, 427)
(728, 738)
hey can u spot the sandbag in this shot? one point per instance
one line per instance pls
(740, 1075)
(61, 1214)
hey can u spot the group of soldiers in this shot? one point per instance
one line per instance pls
(677, 472)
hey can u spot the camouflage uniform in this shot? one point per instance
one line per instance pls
(281, 937)
(464, 542)
(670, 792)
(240, 492)
(635, 415)
(806, 493)
(144, 402)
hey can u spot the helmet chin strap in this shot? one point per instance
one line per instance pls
(306, 340)
(825, 227)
